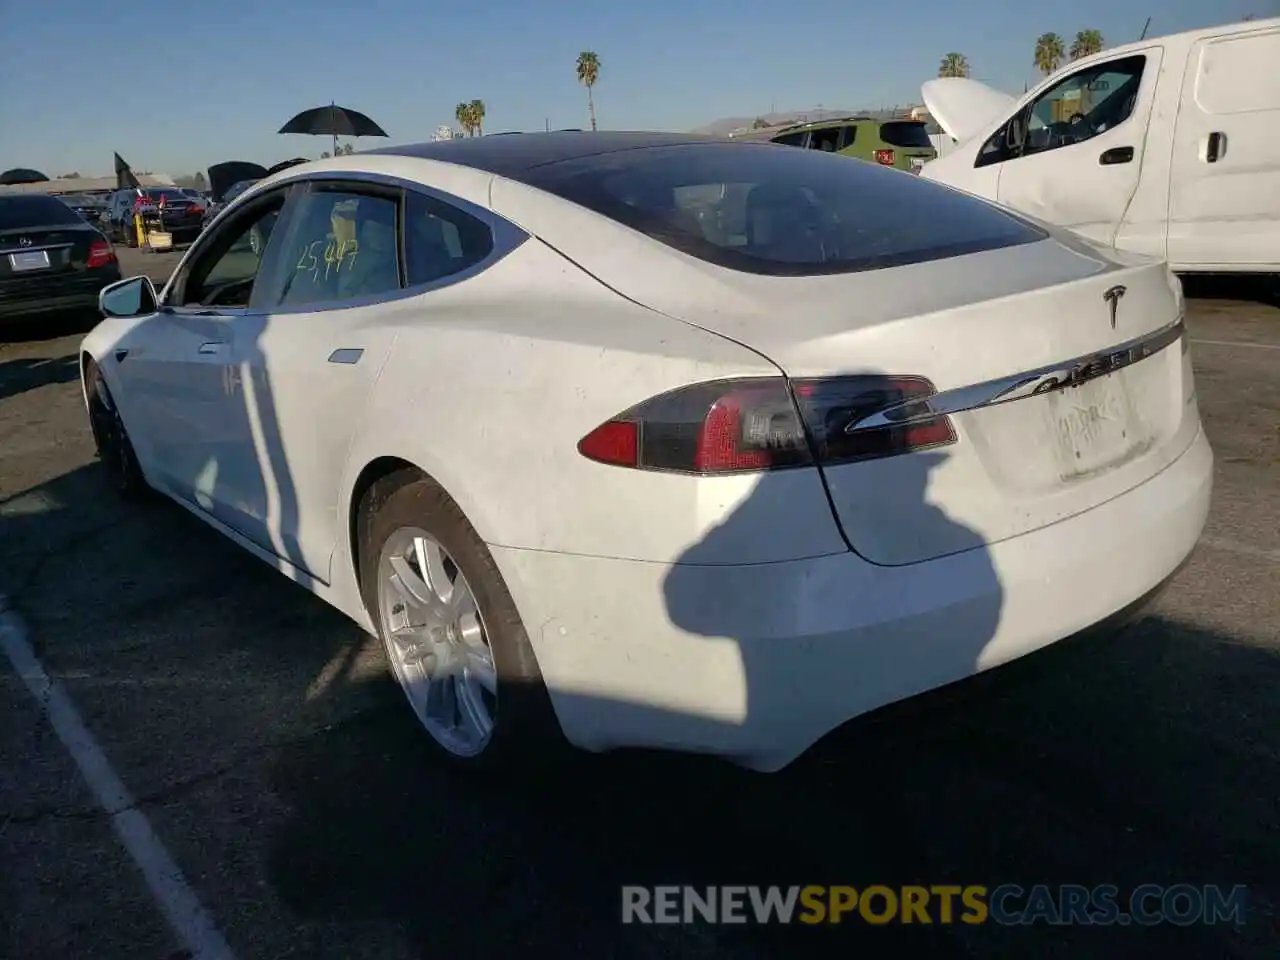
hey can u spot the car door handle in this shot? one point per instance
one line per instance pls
(1116, 155)
(1215, 147)
(212, 347)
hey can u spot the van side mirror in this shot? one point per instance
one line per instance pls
(135, 297)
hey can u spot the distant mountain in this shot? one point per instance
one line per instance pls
(729, 125)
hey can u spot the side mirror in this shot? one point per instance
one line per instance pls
(135, 297)
(1014, 134)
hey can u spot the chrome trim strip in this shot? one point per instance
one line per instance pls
(1058, 376)
(47, 246)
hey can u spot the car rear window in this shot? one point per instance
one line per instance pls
(19, 212)
(758, 209)
(906, 133)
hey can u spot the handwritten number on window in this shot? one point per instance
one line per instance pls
(333, 253)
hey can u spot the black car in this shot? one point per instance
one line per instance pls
(51, 260)
(91, 209)
(180, 214)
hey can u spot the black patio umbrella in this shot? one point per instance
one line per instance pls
(333, 120)
(21, 175)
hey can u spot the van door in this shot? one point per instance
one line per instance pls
(1224, 198)
(1072, 156)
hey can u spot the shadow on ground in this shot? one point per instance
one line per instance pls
(48, 326)
(1259, 288)
(21, 374)
(1127, 760)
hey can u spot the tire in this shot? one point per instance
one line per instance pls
(523, 721)
(114, 448)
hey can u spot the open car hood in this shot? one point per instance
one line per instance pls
(228, 174)
(286, 164)
(961, 106)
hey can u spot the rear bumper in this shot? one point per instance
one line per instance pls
(758, 662)
(49, 298)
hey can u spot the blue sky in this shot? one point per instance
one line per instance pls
(176, 86)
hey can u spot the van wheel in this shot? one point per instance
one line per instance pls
(114, 447)
(454, 640)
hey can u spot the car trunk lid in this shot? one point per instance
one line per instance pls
(40, 251)
(1054, 409)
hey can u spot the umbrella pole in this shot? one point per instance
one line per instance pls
(333, 125)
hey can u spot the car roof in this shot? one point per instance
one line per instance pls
(510, 155)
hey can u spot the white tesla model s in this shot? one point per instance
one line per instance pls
(660, 440)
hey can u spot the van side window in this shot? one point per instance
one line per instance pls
(1076, 109)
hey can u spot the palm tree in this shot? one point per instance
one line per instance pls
(1048, 53)
(477, 115)
(462, 113)
(588, 70)
(954, 65)
(1086, 44)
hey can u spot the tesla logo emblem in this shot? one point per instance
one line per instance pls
(1112, 297)
(25, 242)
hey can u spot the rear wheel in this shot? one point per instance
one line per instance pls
(454, 639)
(115, 449)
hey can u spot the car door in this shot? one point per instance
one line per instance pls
(307, 355)
(358, 262)
(1073, 155)
(1224, 197)
(185, 390)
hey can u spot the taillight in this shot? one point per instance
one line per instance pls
(194, 208)
(100, 254)
(885, 157)
(734, 426)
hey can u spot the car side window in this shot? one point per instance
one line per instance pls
(791, 139)
(341, 245)
(1078, 108)
(224, 271)
(440, 240)
(827, 140)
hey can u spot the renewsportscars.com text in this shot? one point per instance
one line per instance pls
(1008, 905)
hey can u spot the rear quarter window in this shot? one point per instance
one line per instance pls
(904, 133)
(441, 240)
(758, 209)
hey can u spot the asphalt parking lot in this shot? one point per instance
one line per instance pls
(258, 736)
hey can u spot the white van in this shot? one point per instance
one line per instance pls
(1169, 147)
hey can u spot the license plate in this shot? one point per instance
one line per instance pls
(1095, 427)
(29, 260)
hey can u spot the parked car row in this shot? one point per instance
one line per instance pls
(180, 211)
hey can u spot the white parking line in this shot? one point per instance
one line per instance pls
(182, 908)
(1238, 343)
